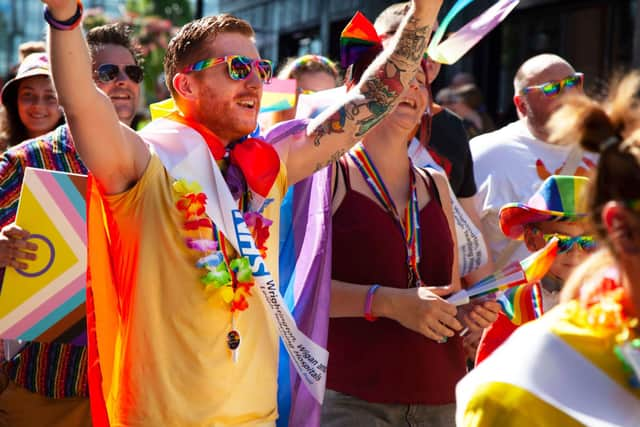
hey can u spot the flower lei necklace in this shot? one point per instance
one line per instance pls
(226, 275)
(601, 310)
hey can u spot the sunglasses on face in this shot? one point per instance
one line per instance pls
(565, 243)
(238, 67)
(109, 72)
(554, 88)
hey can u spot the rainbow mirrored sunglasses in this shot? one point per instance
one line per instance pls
(565, 243)
(555, 87)
(238, 67)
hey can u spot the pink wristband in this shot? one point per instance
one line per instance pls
(368, 302)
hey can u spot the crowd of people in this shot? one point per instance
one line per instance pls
(189, 235)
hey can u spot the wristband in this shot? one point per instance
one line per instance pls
(68, 24)
(368, 302)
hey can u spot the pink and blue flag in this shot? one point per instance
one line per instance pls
(305, 277)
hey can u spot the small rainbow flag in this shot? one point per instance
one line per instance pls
(278, 95)
(522, 304)
(529, 270)
(358, 36)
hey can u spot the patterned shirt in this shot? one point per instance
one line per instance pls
(53, 370)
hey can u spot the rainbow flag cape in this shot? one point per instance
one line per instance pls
(305, 277)
(278, 95)
(522, 304)
(529, 270)
(358, 38)
(460, 42)
(306, 290)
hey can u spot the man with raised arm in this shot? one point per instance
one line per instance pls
(184, 299)
(47, 382)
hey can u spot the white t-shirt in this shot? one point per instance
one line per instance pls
(510, 165)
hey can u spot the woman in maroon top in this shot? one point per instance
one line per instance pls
(396, 354)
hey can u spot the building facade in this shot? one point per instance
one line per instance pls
(597, 36)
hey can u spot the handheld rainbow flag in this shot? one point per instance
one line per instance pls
(460, 42)
(278, 95)
(529, 270)
(523, 303)
(358, 37)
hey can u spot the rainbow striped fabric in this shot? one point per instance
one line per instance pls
(34, 366)
(278, 95)
(52, 151)
(522, 303)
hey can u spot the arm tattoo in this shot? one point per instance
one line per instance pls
(380, 90)
(333, 159)
(334, 124)
(413, 43)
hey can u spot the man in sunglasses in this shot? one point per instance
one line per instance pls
(512, 162)
(48, 383)
(557, 210)
(188, 312)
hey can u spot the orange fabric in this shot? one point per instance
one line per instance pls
(100, 286)
(164, 359)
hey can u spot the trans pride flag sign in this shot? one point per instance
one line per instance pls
(46, 302)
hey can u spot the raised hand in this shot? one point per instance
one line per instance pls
(15, 248)
(422, 311)
(61, 9)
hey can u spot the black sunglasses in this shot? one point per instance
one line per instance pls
(108, 72)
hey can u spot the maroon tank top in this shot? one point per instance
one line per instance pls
(383, 361)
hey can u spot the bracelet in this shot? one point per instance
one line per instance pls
(68, 24)
(368, 302)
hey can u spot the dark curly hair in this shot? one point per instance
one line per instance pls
(117, 33)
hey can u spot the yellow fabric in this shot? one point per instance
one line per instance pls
(505, 405)
(162, 108)
(21, 408)
(172, 366)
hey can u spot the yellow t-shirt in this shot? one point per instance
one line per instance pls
(506, 405)
(173, 367)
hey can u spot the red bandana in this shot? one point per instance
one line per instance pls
(256, 158)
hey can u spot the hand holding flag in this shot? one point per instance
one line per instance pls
(529, 270)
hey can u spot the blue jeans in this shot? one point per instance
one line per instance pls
(341, 410)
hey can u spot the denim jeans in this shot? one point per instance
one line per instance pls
(341, 410)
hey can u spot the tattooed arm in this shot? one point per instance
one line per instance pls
(332, 133)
